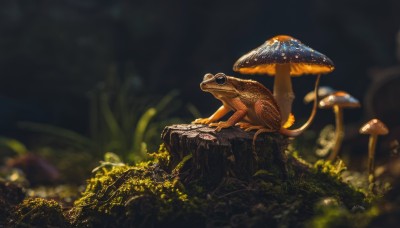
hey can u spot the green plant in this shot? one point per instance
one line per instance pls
(126, 123)
(122, 120)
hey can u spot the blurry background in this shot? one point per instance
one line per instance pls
(55, 56)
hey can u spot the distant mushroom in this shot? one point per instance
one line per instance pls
(373, 128)
(283, 56)
(323, 91)
(337, 101)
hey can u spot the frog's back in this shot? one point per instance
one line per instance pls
(262, 107)
(256, 91)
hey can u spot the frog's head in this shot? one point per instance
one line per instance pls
(220, 85)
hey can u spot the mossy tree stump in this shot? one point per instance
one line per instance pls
(212, 156)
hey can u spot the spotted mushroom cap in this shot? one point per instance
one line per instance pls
(374, 127)
(341, 99)
(282, 50)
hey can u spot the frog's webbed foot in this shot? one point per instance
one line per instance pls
(220, 125)
(201, 121)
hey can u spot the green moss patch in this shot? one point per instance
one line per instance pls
(152, 194)
(37, 212)
(135, 195)
(147, 195)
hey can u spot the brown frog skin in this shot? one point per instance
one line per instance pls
(253, 105)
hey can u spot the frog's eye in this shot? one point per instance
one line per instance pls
(207, 76)
(220, 78)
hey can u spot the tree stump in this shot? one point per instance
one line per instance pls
(211, 156)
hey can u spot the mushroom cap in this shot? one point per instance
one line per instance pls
(374, 127)
(284, 49)
(341, 99)
(323, 91)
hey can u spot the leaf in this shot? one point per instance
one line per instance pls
(109, 117)
(112, 157)
(57, 131)
(193, 110)
(143, 123)
(14, 145)
(139, 132)
(262, 172)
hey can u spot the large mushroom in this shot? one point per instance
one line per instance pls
(284, 56)
(337, 101)
(373, 128)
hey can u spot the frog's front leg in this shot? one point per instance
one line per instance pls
(222, 111)
(239, 114)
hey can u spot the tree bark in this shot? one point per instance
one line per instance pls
(212, 156)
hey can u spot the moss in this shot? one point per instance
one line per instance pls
(337, 216)
(147, 194)
(142, 194)
(325, 180)
(152, 194)
(37, 212)
(279, 202)
(161, 157)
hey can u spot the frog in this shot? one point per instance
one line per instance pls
(254, 106)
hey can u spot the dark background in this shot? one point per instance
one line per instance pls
(52, 53)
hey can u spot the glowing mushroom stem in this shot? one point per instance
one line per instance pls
(339, 132)
(373, 138)
(283, 91)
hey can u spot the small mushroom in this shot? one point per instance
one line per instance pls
(323, 91)
(283, 56)
(337, 101)
(373, 128)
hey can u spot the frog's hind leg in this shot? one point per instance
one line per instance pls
(243, 125)
(259, 131)
(250, 128)
(246, 126)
